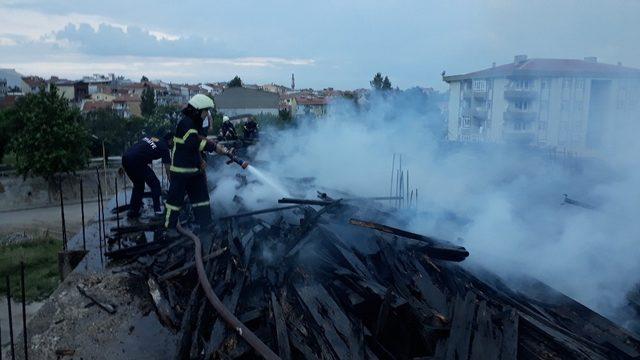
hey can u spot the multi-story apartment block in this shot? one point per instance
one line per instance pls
(568, 105)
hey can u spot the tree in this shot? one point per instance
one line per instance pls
(7, 127)
(49, 138)
(147, 101)
(144, 79)
(106, 126)
(377, 81)
(235, 82)
(163, 120)
(386, 84)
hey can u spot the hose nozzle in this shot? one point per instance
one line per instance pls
(234, 159)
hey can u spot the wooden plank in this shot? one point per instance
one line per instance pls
(487, 338)
(328, 316)
(461, 327)
(509, 346)
(282, 335)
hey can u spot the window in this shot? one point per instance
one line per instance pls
(566, 83)
(580, 84)
(479, 85)
(544, 84)
(564, 105)
(522, 104)
(520, 125)
(466, 121)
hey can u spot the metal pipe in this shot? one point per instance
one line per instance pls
(24, 311)
(393, 167)
(115, 184)
(99, 215)
(84, 237)
(231, 320)
(64, 227)
(13, 350)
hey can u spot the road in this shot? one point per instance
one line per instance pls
(39, 221)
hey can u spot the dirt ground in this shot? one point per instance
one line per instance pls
(71, 322)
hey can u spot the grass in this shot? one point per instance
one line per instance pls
(41, 267)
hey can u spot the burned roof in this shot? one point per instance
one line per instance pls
(334, 287)
(550, 67)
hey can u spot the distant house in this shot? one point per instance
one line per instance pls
(127, 106)
(240, 100)
(33, 83)
(92, 105)
(312, 105)
(14, 81)
(3, 88)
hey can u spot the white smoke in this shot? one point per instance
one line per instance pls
(503, 201)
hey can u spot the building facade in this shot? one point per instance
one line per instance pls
(243, 101)
(566, 105)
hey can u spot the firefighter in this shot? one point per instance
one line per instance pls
(227, 130)
(135, 162)
(187, 166)
(250, 129)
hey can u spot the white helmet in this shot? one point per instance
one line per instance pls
(225, 118)
(201, 102)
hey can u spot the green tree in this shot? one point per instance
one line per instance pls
(49, 138)
(377, 81)
(147, 101)
(235, 82)
(144, 79)
(164, 119)
(105, 125)
(7, 127)
(386, 83)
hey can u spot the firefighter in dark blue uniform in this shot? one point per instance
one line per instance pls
(136, 162)
(187, 164)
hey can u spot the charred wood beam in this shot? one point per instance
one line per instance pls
(136, 250)
(191, 264)
(258, 212)
(573, 202)
(224, 312)
(436, 249)
(111, 309)
(305, 202)
(137, 228)
(281, 328)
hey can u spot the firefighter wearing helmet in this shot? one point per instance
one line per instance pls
(187, 169)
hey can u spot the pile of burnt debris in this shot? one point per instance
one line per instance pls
(338, 283)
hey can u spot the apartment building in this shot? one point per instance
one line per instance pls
(563, 104)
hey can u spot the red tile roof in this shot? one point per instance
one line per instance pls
(550, 67)
(95, 105)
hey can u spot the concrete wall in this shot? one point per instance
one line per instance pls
(18, 194)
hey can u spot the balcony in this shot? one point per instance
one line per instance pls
(519, 93)
(519, 115)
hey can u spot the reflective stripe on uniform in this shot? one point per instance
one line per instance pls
(203, 143)
(202, 203)
(185, 136)
(172, 207)
(183, 170)
(168, 215)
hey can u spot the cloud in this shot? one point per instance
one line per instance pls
(109, 40)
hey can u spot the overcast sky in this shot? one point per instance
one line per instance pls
(326, 43)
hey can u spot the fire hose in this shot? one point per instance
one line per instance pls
(222, 310)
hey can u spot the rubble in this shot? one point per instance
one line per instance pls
(323, 288)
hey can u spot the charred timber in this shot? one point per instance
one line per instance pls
(436, 249)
